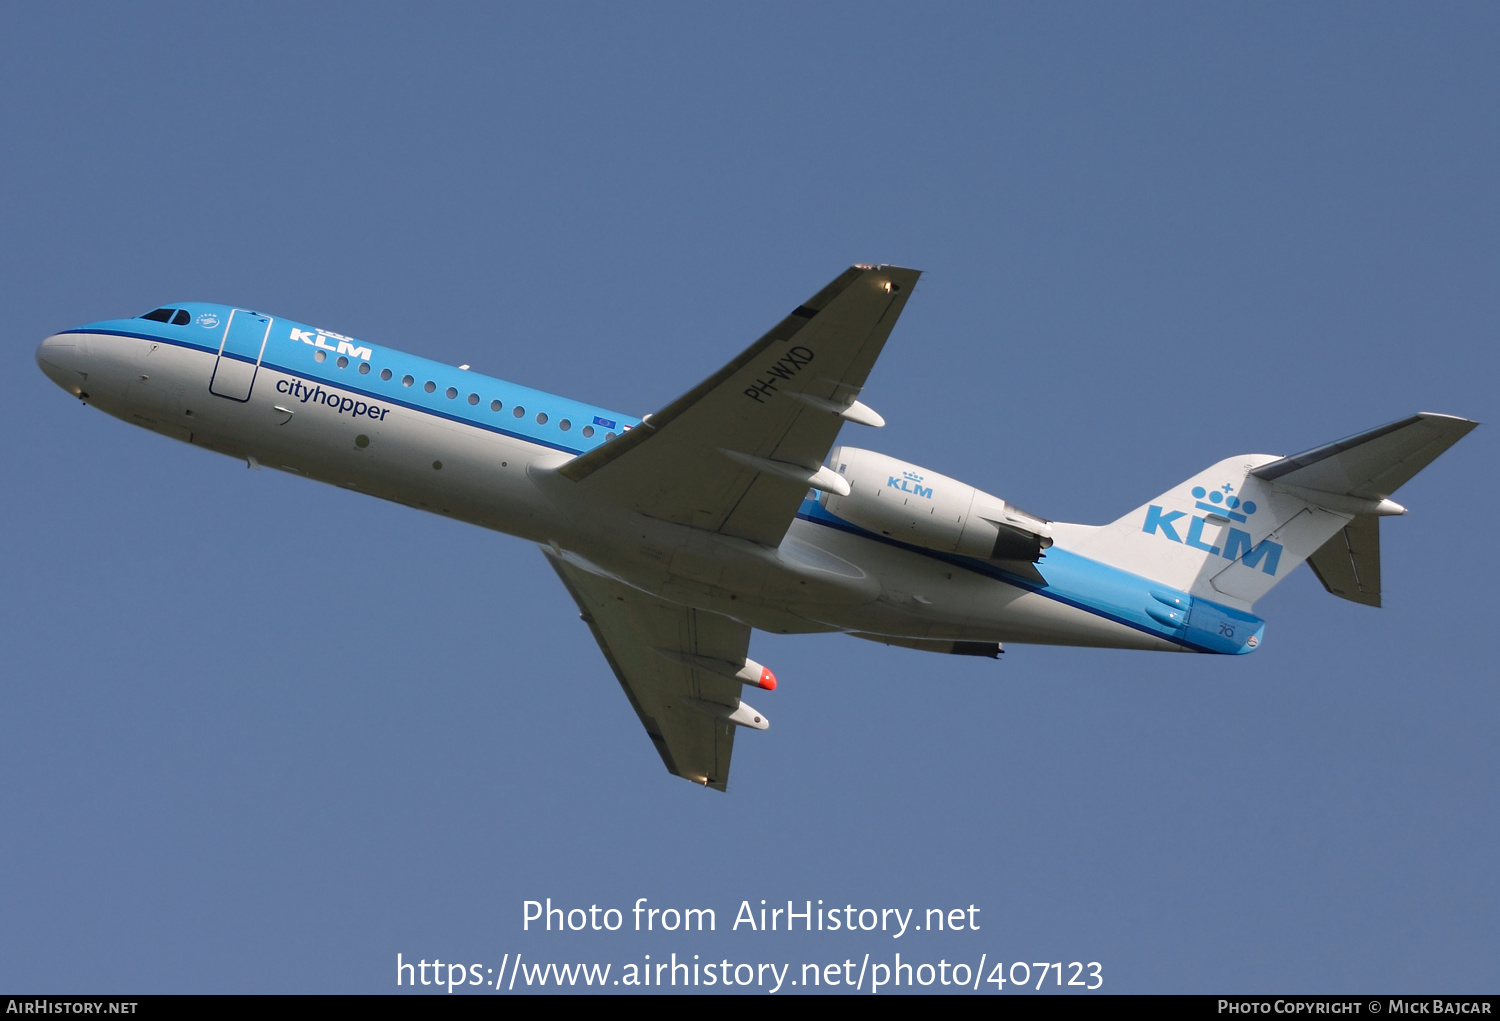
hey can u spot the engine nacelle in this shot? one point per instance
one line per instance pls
(900, 500)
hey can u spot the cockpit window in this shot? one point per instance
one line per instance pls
(175, 316)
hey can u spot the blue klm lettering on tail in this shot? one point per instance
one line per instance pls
(1237, 544)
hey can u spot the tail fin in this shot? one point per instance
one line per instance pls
(1232, 532)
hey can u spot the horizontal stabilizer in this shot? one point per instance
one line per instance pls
(1348, 565)
(1372, 464)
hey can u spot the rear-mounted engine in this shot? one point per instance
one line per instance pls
(908, 503)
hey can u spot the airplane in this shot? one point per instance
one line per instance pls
(731, 508)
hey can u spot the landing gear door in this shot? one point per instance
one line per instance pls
(240, 354)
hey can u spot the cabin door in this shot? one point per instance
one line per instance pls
(239, 354)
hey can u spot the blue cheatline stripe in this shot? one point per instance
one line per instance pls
(1065, 570)
(400, 364)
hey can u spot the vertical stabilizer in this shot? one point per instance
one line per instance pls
(1231, 532)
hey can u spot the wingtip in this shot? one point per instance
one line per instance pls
(1456, 419)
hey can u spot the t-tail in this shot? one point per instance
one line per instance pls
(1234, 530)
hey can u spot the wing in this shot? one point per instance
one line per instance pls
(677, 666)
(737, 453)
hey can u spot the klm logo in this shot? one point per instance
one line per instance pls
(1221, 508)
(346, 345)
(909, 482)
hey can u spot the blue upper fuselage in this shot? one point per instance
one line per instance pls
(382, 373)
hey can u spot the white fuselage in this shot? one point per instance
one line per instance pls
(344, 430)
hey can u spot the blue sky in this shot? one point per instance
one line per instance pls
(259, 734)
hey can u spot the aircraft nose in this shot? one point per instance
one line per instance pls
(60, 356)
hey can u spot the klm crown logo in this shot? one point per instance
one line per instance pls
(1222, 508)
(910, 482)
(1230, 508)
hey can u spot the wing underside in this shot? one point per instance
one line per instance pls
(658, 651)
(736, 454)
(1371, 466)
